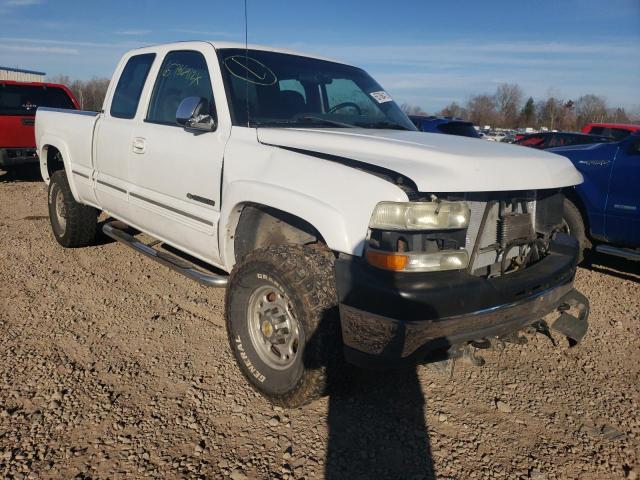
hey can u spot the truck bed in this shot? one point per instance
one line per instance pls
(73, 132)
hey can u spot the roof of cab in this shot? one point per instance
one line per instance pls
(224, 44)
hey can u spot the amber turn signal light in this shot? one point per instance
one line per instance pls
(387, 260)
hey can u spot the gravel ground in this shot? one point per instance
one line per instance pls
(114, 367)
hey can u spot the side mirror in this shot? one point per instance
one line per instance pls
(193, 113)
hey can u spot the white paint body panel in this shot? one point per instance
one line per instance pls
(436, 162)
(235, 166)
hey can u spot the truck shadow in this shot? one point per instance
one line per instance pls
(614, 266)
(376, 418)
(377, 427)
(21, 173)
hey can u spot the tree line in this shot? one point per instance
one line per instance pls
(507, 108)
(89, 93)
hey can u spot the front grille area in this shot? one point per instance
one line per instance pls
(500, 220)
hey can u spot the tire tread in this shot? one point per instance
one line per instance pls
(81, 219)
(309, 270)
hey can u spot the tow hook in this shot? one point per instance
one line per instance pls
(572, 322)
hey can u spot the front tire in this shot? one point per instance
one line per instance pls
(574, 226)
(73, 224)
(282, 321)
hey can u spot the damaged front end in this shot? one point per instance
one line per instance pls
(514, 271)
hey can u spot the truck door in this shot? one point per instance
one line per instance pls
(113, 136)
(623, 203)
(175, 172)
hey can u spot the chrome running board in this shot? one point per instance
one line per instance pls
(117, 230)
(627, 253)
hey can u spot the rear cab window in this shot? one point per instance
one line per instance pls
(130, 84)
(16, 99)
(613, 132)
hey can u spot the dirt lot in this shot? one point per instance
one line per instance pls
(114, 367)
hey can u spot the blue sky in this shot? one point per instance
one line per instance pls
(426, 53)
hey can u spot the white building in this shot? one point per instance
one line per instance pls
(20, 75)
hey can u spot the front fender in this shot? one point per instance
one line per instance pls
(324, 217)
(337, 200)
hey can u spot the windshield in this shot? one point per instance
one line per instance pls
(25, 99)
(276, 89)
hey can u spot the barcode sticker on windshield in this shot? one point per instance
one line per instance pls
(381, 96)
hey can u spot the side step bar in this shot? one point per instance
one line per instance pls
(627, 253)
(117, 231)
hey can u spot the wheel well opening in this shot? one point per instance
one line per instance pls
(260, 226)
(54, 160)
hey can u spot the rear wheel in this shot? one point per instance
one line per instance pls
(282, 321)
(574, 226)
(73, 224)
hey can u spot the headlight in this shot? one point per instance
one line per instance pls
(420, 215)
(418, 262)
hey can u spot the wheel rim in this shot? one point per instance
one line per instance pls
(61, 214)
(273, 328)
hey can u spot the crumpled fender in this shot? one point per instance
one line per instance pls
(336, 199)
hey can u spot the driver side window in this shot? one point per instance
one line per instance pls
(183, 74)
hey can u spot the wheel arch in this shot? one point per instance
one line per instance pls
(51, 162)
(261, 226)
(307, 220)
(572, 195)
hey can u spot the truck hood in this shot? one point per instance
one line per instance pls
(435, 162)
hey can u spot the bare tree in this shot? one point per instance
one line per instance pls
(89, 93)
(590, 108)
(618, 115)
(508, 99)
(412, 109)
(482, 110)
(549, 111)
(453, 110)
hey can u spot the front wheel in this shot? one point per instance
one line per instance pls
(282, 321)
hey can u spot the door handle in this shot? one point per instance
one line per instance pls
(138, 145)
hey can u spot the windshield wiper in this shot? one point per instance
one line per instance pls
(388, 125)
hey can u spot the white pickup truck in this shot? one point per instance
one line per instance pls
(339, 231)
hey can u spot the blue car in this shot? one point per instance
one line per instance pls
(447, 125)
(604, 211)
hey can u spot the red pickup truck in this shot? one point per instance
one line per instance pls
(619, 131)
(18, 104)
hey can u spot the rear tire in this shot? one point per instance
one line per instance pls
(574, 226)
(282, 321)
(73, 224)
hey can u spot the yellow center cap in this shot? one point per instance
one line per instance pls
(267, 329)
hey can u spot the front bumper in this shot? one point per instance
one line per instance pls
(10, 157)
(389, 319)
